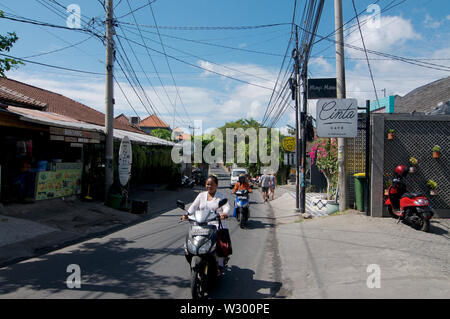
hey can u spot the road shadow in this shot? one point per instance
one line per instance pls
(111, 267)
(238, 283)
(257, 224)
(436, 228)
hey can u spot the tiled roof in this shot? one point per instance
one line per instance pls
(153, 121)
(122, 118)
(62, 105)
(10, 96)
(424, 98)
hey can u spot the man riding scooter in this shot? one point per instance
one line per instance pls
(241, 207)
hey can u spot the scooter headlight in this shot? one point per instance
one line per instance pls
(421, 202)
(205, 248)
(191, 247)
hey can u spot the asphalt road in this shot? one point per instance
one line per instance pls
(147, 261)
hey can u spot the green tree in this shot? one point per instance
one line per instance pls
(162, 133)
(6, 43)
(253, 168)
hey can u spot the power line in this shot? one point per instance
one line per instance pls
(367, 57)
(133, 11)
(199, 67)
(136, 80)
(45, 24)
(131, 70)
(154, 66)
(217, 45)
(51, 66)
(391, 56)
(125, 96)
(58, 50)
(201, 58)
(267, 112)
(209, 28)
(167, 61)
(385, 9)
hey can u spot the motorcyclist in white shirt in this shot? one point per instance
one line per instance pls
(210, 200)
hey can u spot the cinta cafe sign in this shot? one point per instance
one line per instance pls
(337, 117)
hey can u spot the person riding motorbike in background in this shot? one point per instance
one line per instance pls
(242, 184)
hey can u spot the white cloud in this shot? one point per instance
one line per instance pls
(429, 22)
(320, 65)
(394, 32)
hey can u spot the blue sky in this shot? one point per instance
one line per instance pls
(413, 28)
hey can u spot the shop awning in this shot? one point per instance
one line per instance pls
(53, 119)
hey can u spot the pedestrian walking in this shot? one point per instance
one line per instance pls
(273, 184)
(265, 185)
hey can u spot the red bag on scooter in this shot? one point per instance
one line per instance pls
(223, 248)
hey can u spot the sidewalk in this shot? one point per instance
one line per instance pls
(328, 257)
(313, 206)
(29, 230)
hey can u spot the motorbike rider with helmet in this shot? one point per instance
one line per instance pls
(242, 184)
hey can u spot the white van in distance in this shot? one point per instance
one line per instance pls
(235, 172)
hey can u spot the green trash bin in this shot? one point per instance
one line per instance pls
(360, 189)
(114, 201)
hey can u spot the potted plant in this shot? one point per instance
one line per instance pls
(413, 161)
(386, 190)
(432, 185)
(391, 134)
(324, 154)
(436, 151)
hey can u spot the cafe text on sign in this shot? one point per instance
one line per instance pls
(337, 117)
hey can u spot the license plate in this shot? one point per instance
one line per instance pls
(200, 231)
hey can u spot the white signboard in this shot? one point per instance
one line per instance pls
(337, 117)
(125, 158)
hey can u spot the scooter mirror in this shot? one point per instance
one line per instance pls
(223, 202)
(180, 204)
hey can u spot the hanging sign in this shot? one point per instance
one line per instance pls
(337, 117)
(125, 158)
(322, 88)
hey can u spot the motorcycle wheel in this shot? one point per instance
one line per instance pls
(243, 220)
(426, 225)
(419, 222)
(197, 291)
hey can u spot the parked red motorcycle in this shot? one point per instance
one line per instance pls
(413, 208)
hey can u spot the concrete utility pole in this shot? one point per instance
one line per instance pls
(303, 138)
(340, 90)
(295, 87)
(109, 99)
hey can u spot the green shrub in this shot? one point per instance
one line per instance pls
(431, 184)
(436, 148)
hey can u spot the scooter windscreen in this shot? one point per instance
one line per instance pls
(203, 216)
(242, 193)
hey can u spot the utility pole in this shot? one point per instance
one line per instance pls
(340, 92)
(295, 91)
(109, 99)
(303, 139)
